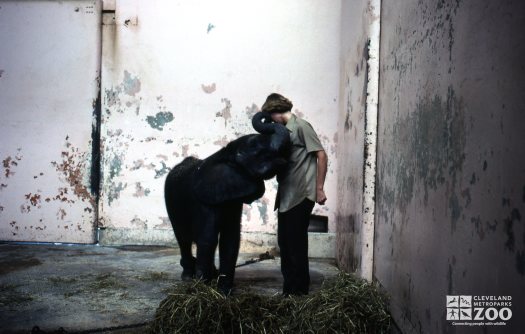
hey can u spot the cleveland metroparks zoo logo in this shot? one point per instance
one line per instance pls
(478, 310)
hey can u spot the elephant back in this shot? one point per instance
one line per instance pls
(185, 166)
(179, 179)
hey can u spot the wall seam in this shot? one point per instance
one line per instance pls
(95, 176)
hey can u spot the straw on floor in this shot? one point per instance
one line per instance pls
(345, 304)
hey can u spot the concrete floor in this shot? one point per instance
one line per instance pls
(93, 289)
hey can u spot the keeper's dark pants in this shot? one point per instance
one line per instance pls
(292, 237)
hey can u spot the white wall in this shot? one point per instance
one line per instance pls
(49, 81)
(201, 69)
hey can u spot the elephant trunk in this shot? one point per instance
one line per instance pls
(280, 136)
(265, 127)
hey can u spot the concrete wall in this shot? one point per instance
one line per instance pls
(184, 78)
(451, 177)
(49, 83)
(355, 36)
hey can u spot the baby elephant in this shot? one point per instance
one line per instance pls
(204, 198)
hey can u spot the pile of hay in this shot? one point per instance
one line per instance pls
(345, 304)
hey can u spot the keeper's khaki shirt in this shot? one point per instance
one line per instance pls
(299, 179)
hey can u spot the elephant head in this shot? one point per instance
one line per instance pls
(237, 171)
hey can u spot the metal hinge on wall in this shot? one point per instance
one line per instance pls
(108, 17)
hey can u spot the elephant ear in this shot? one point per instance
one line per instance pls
(219, 182)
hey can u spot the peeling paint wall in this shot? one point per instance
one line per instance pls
(183, 79)
(451, 177)
(49, 82)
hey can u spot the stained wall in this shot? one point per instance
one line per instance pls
(184, 78)
(451, 176)
(49, 84)
(355, 37)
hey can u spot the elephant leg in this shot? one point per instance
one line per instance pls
(181, 220)
(229, 242)
(207, 238)
(183, 234)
